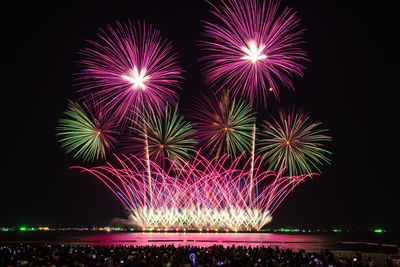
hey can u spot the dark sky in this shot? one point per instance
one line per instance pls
(349, 85)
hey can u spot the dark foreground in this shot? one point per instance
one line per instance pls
(83, 255)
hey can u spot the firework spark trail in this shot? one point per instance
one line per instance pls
(253, 147)
(252, 49)
(199, 195)
(130, 67)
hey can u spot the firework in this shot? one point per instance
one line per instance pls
(223, 126)
(163, 136)
(87, 133)
(252, 48)
(132, 73)
(200, 195)
(294, 142)
(130, 67)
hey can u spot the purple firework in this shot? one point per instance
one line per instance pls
(251, 48)
(130, 68)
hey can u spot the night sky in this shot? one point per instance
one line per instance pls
(349, 85)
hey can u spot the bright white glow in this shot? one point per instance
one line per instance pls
(137, 78)
(253, 53)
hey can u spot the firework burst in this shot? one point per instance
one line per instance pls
(165, 136)
(201, 194)
(130, 67)
(223, 126)
(294, 142)
(87, 133)
(252, 48)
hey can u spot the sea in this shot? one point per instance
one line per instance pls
(310, 242)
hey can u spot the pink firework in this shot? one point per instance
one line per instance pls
(199, 195)
(252, 48)
(130, 68)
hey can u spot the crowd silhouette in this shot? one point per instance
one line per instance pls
(23, 254)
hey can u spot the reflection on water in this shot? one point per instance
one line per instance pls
(309, 242)
(207, 239)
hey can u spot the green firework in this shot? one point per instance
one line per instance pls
(224, 126)
(294, 143)
(88, 136)
(168, 136)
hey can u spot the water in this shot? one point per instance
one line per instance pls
(368, 242)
